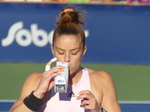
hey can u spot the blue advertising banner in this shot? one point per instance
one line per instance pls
(116, 34)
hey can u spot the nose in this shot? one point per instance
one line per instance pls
(67, 57)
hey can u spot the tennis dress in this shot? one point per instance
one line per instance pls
(67, 102)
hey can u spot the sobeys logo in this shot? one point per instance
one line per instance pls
(25, 37)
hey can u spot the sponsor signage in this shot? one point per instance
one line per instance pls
(114, 34)
(24, 37)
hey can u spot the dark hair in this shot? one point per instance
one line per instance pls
(69, 23)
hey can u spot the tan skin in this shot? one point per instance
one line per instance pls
(102, 87)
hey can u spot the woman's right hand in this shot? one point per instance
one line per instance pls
(47, 81)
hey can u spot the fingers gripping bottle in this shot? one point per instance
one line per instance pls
(61, 81)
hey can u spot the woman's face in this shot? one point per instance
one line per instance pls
(69, 48)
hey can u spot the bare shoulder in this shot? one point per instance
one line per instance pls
(103, 76)
(34, 77)
(31, 82)
(101, 84)
(29, 85)
(103, 87)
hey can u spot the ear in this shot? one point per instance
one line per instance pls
(84, 50)
(52, 49)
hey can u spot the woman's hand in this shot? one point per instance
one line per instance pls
(89, 101)
(47, 81)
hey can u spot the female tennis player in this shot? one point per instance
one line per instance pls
(88, 90)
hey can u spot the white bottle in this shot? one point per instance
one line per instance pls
(61, 81)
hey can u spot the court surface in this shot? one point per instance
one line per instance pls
(125, 106)
(132, 83)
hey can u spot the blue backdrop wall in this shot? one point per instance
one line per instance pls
(117, 34)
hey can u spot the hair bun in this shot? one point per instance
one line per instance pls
(70, 15)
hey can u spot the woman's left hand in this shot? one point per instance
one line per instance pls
(89, 101)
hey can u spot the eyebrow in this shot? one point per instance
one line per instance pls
(71, 49)
(60, 49)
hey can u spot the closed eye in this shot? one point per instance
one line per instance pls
(75, 52)
(60, 53)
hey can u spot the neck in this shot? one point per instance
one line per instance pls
(75, 77)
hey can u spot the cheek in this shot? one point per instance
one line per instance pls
(78, 56)
(55, 54)
(59, 57)
(76, 61)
